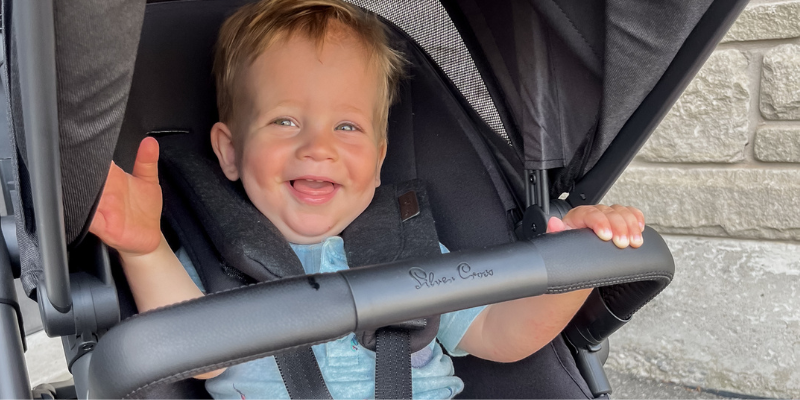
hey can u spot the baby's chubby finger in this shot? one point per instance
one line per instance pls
(634, 231)
(639, 217)
(590, 217)
(146, 165)
(619, 227)
(555, 225)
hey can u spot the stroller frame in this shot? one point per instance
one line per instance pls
(65, 308)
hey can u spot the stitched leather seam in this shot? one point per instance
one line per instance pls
(133, 317)
(196, 371)
(604, 282)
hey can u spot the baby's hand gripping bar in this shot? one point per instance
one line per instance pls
(222, 329)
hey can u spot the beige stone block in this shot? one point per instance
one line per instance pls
(746, 203)
(709, 123)
(778, 144)
(766, 21)
(730, 320)
(780, 83)
(45, 359)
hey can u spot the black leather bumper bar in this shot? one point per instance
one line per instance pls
(227, 328)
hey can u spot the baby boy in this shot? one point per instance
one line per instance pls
(303, 90)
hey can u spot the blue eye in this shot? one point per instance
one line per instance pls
(347, 127)
(284, 122)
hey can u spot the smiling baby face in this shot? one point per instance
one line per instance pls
(309, 155)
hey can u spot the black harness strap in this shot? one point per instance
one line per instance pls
(393, 364)
(402, 220)
(301, 374)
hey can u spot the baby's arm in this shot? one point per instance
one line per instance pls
(128, 218)
(511, 331)
(158, 278)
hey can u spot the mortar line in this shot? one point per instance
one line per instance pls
(755, 119)
(686, 166)
(757, 44)
(738, 239)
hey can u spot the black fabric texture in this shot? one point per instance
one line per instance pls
(244, 238)
(571, 73)
(393, 364)
(301, 374)
(415, 237)
(463, 195)
(96, 43)
(550, 373)
(547, 70)
(182, 221)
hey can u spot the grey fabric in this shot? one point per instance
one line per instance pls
(415, 237)
(245, 238)
(26, 239)
(642, 37)
(571, 73)
(431, 27)
(547, 70)
(96, 43)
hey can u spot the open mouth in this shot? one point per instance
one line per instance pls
(313, 191)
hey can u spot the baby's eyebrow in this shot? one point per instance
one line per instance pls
(349, 108)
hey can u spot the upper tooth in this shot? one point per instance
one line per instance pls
(309, 180)
(319, 181)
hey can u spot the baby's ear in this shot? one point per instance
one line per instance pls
(222, 142)
(381, 158)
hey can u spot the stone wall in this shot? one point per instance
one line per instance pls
(720, 178)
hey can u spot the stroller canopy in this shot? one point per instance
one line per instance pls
(555, 82)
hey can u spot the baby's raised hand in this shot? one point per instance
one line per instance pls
(623, 225)
(129, 213)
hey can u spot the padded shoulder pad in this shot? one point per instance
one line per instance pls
(398, 224)
(243, 236)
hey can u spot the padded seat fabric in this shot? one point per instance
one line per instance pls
(432, 137)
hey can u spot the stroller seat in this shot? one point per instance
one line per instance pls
(432, 136)
(562, 97)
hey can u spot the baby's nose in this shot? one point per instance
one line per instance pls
(319, 146)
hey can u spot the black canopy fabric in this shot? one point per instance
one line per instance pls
(556, 79)
(572, 72)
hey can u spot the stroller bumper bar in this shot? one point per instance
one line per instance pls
(239, 325)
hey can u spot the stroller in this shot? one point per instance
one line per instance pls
(514, 111)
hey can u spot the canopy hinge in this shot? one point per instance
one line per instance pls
(537, 204)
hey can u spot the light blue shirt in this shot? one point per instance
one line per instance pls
(347, 368)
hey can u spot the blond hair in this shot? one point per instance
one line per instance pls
(248, 32)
